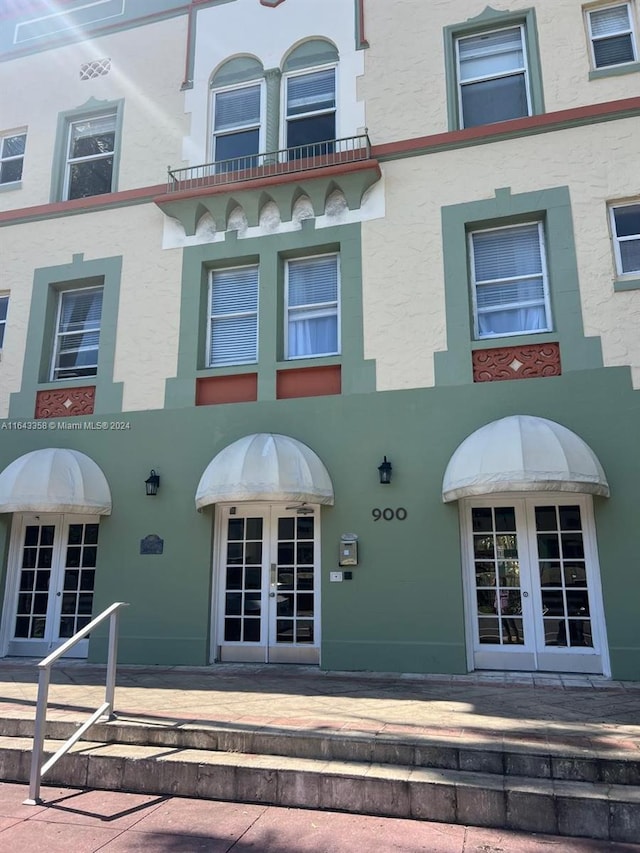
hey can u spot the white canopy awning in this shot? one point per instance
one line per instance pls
(522, 453)
(54, 480)
(265, 467)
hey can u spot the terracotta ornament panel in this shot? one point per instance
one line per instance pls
(521, 362)
(65, 402)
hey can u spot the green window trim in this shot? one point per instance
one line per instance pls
(614, 71)
(48, 282)
(553, 208)
(270, 252)
(92, 108)
(491, 19)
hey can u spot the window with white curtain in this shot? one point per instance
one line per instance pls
(312, 292)
(612, 36)
(237, 127)
(493, 82)
(625, 224)
(509, 281)
(233, 316)
(4, 304)
(90, 156)
(77, 336)
(311, 113)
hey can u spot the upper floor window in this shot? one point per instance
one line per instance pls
(312, 325)
(509, 281)
(233, 316)
(236, 127)
(311, 113)
(612, 36)
(12, 157)
(4, 304)
(625, 222)
(77, 337)
(90, 156)
(493, 82)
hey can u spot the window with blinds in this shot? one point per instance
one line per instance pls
(626, 232)
(77, 333)
(612, 36)
(90, 156)
(236, 128)
(311, 113)
(509, 281)
(312, 292)
(233, 316)
(492, 77)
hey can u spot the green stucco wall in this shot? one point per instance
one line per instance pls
(403, 609)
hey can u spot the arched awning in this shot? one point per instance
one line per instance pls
(523, 453)
(54, 480)
(265, 467)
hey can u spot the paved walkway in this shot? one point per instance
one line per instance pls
(590, 715)
(585, 713)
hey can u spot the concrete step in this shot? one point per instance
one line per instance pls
(499, 756)
(547, 805)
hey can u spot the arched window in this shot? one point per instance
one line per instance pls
(237, 112)
(310, 99)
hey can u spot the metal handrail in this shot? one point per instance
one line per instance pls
(247, 167)
(105, 710)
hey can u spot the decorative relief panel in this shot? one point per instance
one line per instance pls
(65, 402)
(519, 362)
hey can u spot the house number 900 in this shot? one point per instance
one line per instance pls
(389, 514)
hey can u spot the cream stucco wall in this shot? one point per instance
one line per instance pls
(147, 68)
(404, 84)
(149, 306)
(404, 308)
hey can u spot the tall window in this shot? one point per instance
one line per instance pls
(233, 316)
(4, 304)
(236, 127)
(311, 113)
(77, 333)
(509, 281)
(612, 36)
(12, 157)
(90, 156)
(493, 80)
(625, 222)
(312, 287)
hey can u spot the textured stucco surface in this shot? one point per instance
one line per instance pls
(147, 66)
(404, 317)
(149, 307)
(404, 84)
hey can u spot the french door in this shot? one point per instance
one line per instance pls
(533, 590)
(50, 582)
(266, 579)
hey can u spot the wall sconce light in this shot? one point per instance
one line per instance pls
(152, 483)
(385, 470)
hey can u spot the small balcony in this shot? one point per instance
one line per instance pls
(286, 161)
(250, 181)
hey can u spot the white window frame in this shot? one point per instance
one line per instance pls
(284, 100)
(617, 240)
(324, 309)
(236, 315)
(262, 120)
(72, 161)
(12, 158)
(630, 31)
(545, 282)
(4, 299)
(58, 335)
(497, 76)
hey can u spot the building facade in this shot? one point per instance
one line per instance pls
(371, 338)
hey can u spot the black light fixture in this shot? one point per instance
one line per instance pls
(385, 469)
(152, 483)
